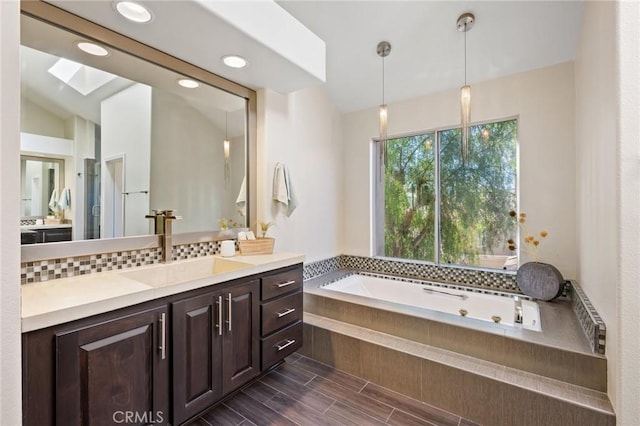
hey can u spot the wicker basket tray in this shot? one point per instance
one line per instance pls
(257, 246)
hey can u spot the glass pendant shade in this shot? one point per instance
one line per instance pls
(465, 114)
(227, 168)
(383, 122)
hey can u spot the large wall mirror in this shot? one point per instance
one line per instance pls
(107, 139)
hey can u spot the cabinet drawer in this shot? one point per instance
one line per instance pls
(281, 312)
(284, 282)
(281, 344)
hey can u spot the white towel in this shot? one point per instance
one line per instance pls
(293, 200)
(283, 193)
(241, 201)
(53, 201)
(65, 199)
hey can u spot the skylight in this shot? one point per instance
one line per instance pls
(82, 78)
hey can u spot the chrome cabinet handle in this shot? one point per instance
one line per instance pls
(287, 312)
(229, 311)
(219, 325)
(289, 343)
(163, 336)
(286, 284)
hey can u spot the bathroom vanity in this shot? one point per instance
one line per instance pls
(164, 341)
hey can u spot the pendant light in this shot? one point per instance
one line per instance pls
(227, 168)
(464, 24)
(383, 50)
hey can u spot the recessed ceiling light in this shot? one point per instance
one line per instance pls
(234, 61)
(92, 48)
(133, 11)
(189, 84)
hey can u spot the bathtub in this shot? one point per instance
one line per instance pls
(450, 300)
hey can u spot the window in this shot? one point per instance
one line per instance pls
(423, 186)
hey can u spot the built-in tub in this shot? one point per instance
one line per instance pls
(452, 300)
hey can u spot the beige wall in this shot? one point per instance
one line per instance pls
(544, 101)
(608, 176)
(302, 130)
(37, 120)
(10, 373)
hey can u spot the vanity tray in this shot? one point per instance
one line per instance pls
(257, 246)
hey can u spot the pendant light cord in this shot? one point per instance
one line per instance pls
(226, 123)
(383, 80)
(465, 54)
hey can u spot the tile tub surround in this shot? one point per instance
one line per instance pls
(559, 352)
(45, 304)
(592, 324)
(485, 392)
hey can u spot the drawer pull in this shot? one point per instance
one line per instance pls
(285, 313)
(289, 343)
(286, 283)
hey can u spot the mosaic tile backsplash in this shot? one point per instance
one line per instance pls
(592, 324)
(51, 269)
(480, 278)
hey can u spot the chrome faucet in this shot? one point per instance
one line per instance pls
(518, 318)
(162, 226)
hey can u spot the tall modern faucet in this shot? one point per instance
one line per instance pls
(162, 226)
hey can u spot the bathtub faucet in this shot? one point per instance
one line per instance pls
(517, 319)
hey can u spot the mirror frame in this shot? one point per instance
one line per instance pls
(59, 184)
(57, 17)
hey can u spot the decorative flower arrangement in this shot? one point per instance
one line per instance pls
(264, 228)
(228, 223)
(531, 242)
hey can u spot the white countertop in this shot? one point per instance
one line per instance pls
(47, 226)
(62, 300)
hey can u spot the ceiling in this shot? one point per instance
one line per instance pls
(427, 52)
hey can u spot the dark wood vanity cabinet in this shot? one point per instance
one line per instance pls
(96, 372)
(164, 361)
(216, 346)
(281, 312)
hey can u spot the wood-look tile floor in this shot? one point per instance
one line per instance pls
(305, 392)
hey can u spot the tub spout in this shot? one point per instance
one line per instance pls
(518, 310)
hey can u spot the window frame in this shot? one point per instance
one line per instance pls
(378, 194)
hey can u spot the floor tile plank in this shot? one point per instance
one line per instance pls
(350, 416)
(260, 392)
(328, 372)
(223, 416)
(400, 418)
(410, 405)
(467, 422)
(299, 412)
(363, 403)
(199, 422)
(293, 389)
(295, 373)
(257, 412)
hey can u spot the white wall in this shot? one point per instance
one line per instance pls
(544, 101)
(627, 383)
(126, 129)
(10, 369)
(187, 164)
(302, 130)
(608, 185)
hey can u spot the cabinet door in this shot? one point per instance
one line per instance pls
(241, 342)
(197, 349)
(114, 371)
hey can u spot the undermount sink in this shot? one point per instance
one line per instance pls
(184, 271)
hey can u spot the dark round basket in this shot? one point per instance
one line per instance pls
(540, 280)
